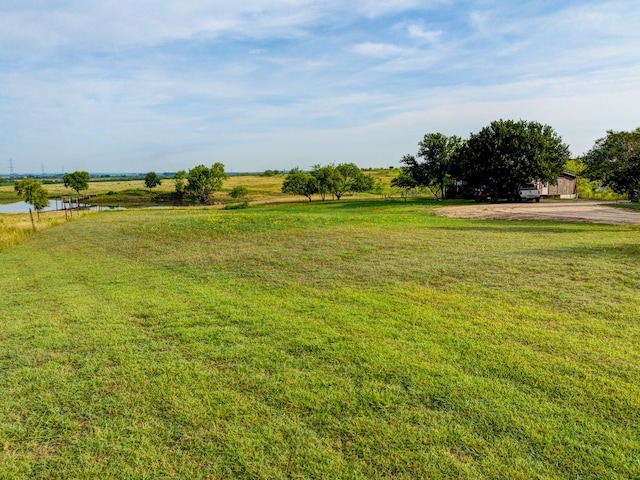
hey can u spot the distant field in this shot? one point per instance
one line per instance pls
(350, 340)
(262, 189)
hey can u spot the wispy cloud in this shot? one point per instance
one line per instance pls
(379, 50)
(124, 84)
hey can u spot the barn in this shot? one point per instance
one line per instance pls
(566, 186)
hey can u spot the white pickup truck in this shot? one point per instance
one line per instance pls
(527, 191)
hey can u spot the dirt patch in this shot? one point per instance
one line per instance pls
(574, 211)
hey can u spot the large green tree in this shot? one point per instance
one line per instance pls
(327, 178)
(77, 181)
(298, 182)
(614, 160)
(202, 181)
(509, 153)
(33, 193)
(437, 152)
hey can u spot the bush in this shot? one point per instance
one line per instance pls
(237, 206)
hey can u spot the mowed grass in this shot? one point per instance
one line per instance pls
(337, 340)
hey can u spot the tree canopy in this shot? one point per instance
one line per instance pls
(202, 181)
(179, 179)
(152, 180)
(434, 172)
(32, 192)
(405, 181)
(77, 181)
(349, 178)
(327, 179)
(614, 160)
(298, 182)
(509, 153)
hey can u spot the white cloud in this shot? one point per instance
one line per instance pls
(141, 81)
(430, 36)
(379, 50)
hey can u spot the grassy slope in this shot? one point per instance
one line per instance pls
(341, 340)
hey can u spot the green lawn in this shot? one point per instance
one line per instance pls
(324, 340)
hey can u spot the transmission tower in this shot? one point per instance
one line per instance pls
(10, 169)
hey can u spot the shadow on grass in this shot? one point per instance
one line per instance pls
(618, 251)
(525, 226)
(354, 203)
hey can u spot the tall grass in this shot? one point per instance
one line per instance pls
(16, 227)
(337, 340)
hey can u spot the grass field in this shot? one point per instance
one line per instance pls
(339, 340)
(262, 189)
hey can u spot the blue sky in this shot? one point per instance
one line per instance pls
(140, 85)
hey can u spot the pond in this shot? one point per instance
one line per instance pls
(23, 207)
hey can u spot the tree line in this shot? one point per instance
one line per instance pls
(501, 156)
(508, 153)
(334, 180)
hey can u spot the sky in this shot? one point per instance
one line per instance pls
(142, 85)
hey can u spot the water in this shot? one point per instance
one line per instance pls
(23, 207)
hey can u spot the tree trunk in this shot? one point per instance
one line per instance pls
(32, 222)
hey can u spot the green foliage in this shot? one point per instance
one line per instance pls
(179, 179)
(152, 180)
(237, 206)
(270, 173)
(507, 153)
(438, 153)
(298, 182)
(575, 166)
(32, 192)
(239, 191)
(614, 161)
(381, 187)
(350, 178)
(77, 181)
(405, 181)
(328, 179)
(202, 182)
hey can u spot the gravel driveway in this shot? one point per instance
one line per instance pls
(568, 210)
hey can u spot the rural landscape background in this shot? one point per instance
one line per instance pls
(232, 241)
(360, 338)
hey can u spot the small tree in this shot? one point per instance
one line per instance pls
(404, 182)
(438, 152)
(33, 193)
(203, 181)
(350, 179)
(152, 180)
(76, 181)
(179, 179)
(239, 192)
(298, 182)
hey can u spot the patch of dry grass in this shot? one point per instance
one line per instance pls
(16, 227)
